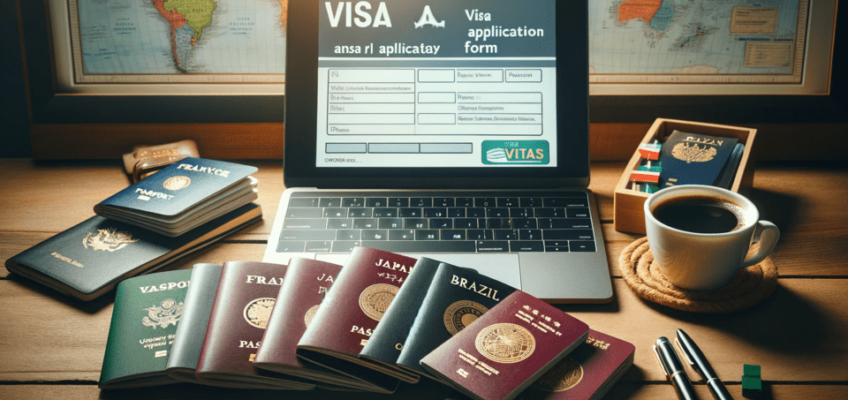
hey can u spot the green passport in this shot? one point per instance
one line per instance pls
(144, 322)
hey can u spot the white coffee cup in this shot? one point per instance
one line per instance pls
(705, 261)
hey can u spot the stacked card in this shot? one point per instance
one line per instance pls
(182, 196)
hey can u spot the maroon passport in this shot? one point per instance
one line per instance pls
(243, 303)
(363, 291)
(507, 348)
(587, 373)
(306, 285)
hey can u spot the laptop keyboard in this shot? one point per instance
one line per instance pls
(338, 221)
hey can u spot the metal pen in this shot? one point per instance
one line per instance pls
(673, 369)
(700, 364)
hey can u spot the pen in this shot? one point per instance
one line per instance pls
(673, 369)
(700, 364)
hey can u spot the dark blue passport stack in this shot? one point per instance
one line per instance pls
(182, 196)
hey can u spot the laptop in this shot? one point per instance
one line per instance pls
(456, 131)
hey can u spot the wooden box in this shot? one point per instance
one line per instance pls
(629, 213)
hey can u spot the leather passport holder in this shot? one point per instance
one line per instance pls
(507, 348)
(144, 160)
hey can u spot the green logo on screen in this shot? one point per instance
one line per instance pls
(496, 152)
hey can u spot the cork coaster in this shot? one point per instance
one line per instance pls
(748, 287)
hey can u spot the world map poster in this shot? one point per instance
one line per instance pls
(697, 41)
(179, 41)
(631, 41)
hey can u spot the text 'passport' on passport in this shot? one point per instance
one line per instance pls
(179, 186)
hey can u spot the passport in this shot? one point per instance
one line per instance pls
(507, 348)
(182, 196)
(246, 294)
(456, 297)
(303, 291)
(366, 286)
(694, 159)
(587, 373)
(185, 351)
(389, 340)
(88, 260)
(147, 312)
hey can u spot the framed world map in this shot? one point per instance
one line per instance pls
(637, 47)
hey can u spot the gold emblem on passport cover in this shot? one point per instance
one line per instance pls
(107, 240)
(166, 313)
(565, 375)
(310, 313)
(258, 311)
(693, 153)
(375, 299)
(505, 343)
(461, 314)
(177, 183)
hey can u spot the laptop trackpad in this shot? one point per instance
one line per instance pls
(502, 267)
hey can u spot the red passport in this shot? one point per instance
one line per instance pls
(507, 348)
(587, 373)
(366, 286)
(306, 285)
(244, 300)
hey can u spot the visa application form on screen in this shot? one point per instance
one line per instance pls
(439, 84)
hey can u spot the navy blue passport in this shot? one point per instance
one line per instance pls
(178, 187)
(694, 159)
(182, 196)
(88, 260)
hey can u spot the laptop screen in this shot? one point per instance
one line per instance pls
(448, 83)
(466, 90)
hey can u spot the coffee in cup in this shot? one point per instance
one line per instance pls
(700, 235)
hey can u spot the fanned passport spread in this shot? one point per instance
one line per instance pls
(88, 260)
(587, 373)
(185, 351)
(365, 288)
(182, 196)
(506, 349)
(245, 297)
(456, 297)
(147, 312)
(302, 294)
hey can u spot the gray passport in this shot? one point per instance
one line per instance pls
(185, 352)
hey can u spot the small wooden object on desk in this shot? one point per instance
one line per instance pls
(629, 214)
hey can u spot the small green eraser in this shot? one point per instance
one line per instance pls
(751, 370)
(752, 386)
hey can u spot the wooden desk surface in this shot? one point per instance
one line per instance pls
(50, 346)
